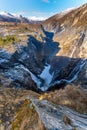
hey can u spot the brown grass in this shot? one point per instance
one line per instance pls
(72, 96)
(27, 118)
(12, 103)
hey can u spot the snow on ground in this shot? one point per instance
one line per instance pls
(6, 14)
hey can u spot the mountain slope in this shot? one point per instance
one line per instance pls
(51, 60)
(7, 17)
(59, 51)
(74, 18)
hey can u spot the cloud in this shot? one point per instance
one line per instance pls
(34, 13)
(46, 1)
(39, 13)
(37, 18)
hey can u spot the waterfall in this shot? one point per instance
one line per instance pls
(78, 43)
(74, 73)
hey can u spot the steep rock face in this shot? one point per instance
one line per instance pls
(70, 32)
(82, 77)
(58, 117)
(73, 18)
(14, 71)
(23, 67)
(56, 56)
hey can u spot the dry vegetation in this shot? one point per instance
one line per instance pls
(72, 96)
(19, 113)
(14, 106)
(7, 40)
(27, 118)
(75, 18)
(14, 34)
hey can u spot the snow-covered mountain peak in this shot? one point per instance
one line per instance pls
(6, 14)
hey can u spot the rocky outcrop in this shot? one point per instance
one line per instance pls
(38, 63)
(58, 117)
(69, 73)
(20, 109)
(23, 67)
(82, 77)
(69, 34)
(16, 112)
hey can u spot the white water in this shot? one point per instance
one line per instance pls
(46, 74)
(47, 77)
(79, 66)
(75, 46)
(34, 78)
(73, 51)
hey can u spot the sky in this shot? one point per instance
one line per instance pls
(38, 9)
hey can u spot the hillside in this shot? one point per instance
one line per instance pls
(43, 73)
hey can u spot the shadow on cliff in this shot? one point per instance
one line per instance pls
(37, 54)
(46, 48)
(67, 70)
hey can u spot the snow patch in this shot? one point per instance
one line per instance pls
(34, 18)
(6, 14)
